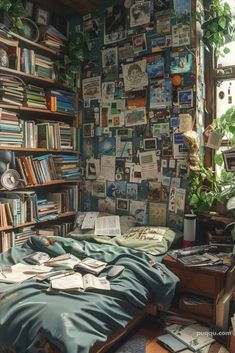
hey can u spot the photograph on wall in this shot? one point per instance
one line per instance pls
(140, 13)
(161, 94)
(135, 75)
(161, 129)
(92, 29)
(139, 43)
(138, 211)
(155, 66)
(181, 35)
(88, 130)
(108, 90)
(135, 117)
(137, 99)
(107, 205)
(110, 63)
(154, 190)
(150, 144)
(107, 146)
(163, 24)
(99, 188)
(132, 191)
(183, 9)
(157, 214)
(161, 42)
(123, 147)
(115, 24)
(88, 149)
(185, 97)
(181, 63)
(123, 205)
(116, 189)
(229, 159)
(91, 88)
(92, 168)
(125, 51)
(116, 120)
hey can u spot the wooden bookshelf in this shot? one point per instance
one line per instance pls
(60, 216)
(50, 183)
(35, 45)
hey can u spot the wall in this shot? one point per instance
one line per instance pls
(134, 117)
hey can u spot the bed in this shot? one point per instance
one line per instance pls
(33, 320)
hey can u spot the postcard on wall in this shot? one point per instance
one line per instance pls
(137, 99)
(88, 130)
(155, 66)
(154, 190)
(135, 75)
(165, 192)
(107, 168)
(125, 51)
(185, 122)
(91, 68)
(181, 63)
(110, 57)
(99, 188)
(135, 173)
(180, 195)
(157, 214)
(163, 24)
(88, 150)
(138, 211)
(116, 189)
(123, 206)
(181, 35)
(140, 13)
(183, 10)
(108, 90)
(107, 146)
(179, 148)
(185, 97)
(135, 117)
(115, 24)
(92, 29)
(139, 43)
(116, 120)
(91, 88)
(92, 168)
(132, 191)
(166, 147)
(150, 144)
(107, 205)
(123, 147)
(148, 164)
(161, 42)
(161, 94)
(161, 129)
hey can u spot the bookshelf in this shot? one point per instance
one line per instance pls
(51, 194)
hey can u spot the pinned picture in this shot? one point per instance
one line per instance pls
(181, 35)
(138, 211)
(109, 57)
(115, 24)
(161, 94)
(135, 117)
(91, 88)
(163, 24)
(42, 17)
(116, 189)
(229, 159)
(139, 43)
(150, 144)
(140, 13)
(123, 205)
(159, 43)
(88, 130)
(107, 205)
(185, 98)
(162, 4)
(155, 66)
(125, 51)
(135, 75)
(181, 63)
(92, 29)
(108, 90)
(99, 189)
(132, 191)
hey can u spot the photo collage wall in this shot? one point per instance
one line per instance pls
(138, 91)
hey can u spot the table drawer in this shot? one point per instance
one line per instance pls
(198, 283)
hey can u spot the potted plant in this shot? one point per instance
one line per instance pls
(10, 13)
(218, 26)
(69, 67)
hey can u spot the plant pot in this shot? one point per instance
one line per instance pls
(5, 19)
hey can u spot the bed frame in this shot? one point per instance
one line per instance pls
(150, 309)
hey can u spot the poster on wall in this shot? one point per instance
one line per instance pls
(140, 14)
(181, 63)
(135, 75)
(91, 88)
(92, 29)
(115, 24)
(160, 94)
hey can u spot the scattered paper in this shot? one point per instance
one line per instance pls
(109, 226)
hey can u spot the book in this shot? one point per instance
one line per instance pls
(171, 343)
(76, 282)
(91, 265)
(37, 258)
(194, 336)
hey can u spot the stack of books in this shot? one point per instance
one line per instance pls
(61, 101)
(61, 229)
(67, 167)
(20, 236)
(46, 210)
(52, 38)
(66, 198)
(44, 67)
(35, 97)
(11, 90)
(11, 133)
(67, 137)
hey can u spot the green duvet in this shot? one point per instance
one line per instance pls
(74, 322)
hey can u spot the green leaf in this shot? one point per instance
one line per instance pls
(226, 50)
(222, 22)
(219, 159)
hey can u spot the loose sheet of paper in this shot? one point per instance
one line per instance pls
(109, 226)
(89, 220)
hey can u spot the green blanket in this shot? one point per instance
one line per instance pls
(77, 321)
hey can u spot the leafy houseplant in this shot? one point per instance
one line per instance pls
(10, 13)
(218, 26)
(69, 67)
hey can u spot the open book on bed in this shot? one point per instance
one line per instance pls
(78, 282)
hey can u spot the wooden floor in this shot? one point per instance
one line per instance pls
(150, 328)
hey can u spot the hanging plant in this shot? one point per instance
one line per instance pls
(69, 67)
(13, 9)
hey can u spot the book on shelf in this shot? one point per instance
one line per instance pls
(35, 97)
(52, 38)
(61, 229)
(63, 101)
(76, 282)
(11, 90)
(35, 64)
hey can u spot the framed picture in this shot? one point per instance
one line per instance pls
(29, 8)
(42, 17)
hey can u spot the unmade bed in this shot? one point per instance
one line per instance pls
(35, 320)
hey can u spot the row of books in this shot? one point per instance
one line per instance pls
(52, 38)
(22, 133)
(35, 64)
(46, 168)
(18, 237)
(21, 207)
(14, 92)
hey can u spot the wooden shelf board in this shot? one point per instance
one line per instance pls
(51, 183)
(35, 44)
(62, 215)
(37, 111)
(32, 78)
(29, 149)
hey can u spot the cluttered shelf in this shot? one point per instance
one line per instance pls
(51, 183)
(37, 111)
(37, 150)
(60, 216)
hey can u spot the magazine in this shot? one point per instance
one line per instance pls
(37, 258)
(76, 282)
(195, 336)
